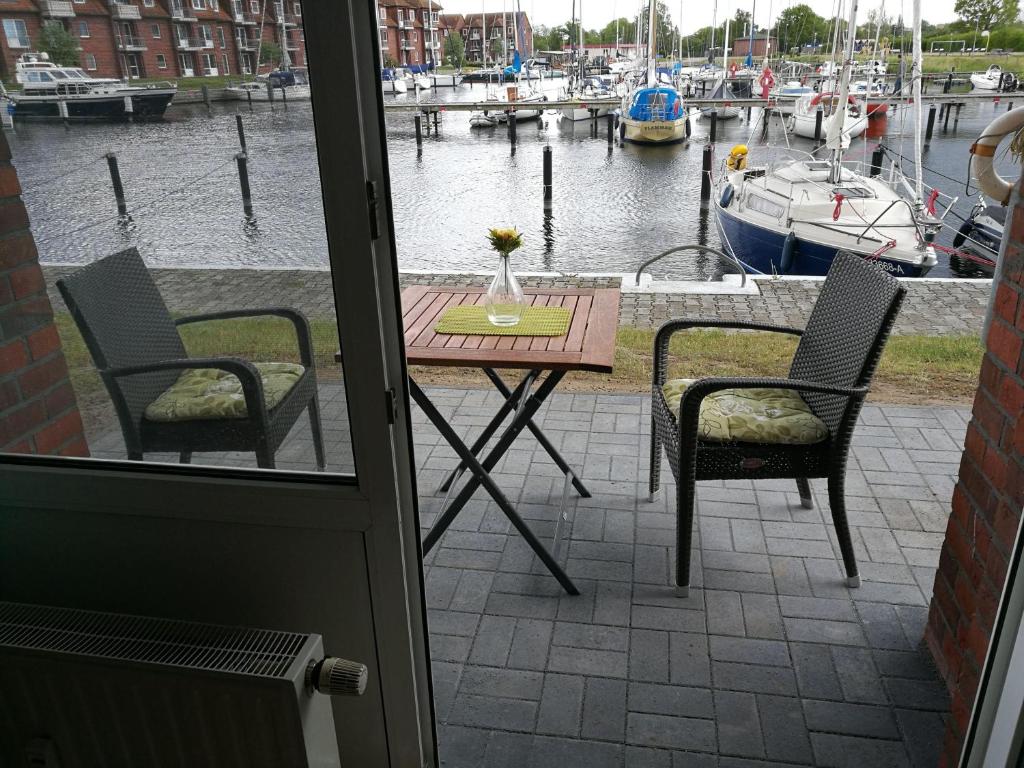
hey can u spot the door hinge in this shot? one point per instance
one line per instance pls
(391, 405)
(371, 207)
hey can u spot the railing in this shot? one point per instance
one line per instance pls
(246, 44)
(725, 257)
(125, 11)
(130, 43)
(382, 23)
(408, 45)
(192, 43)
(57, 9)
(406, 24)
(182, 14)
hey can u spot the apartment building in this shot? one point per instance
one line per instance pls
(410, 31)
(499, 31)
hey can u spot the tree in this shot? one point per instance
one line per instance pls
(986, 14)
(799, 25)
(627, 31)
(59, 44)
(740, 24)
(455, 49)
(497, 48)
(666, 32)
(270, 53)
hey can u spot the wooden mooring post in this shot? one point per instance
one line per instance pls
(115, 180)
(819, 115)
(945, 122)
(241, 132)
(705, 173)
(547, 175)
(512, 129)
(931, 125)
(419, 131)
(609, 120)
(714, 125)
(243, 179)
(956, 117)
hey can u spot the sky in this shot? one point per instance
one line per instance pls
(697, 13)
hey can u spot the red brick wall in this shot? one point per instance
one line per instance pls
(987, 502)
(100, 44)
(33, 24)
(38, 413)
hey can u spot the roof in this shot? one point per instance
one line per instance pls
(424, 4)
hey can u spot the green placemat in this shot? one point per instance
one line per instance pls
(472, 321)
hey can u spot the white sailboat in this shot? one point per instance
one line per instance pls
(584, 89)
(723, 90)
(794, 217)
(520, 92)
(652, 113)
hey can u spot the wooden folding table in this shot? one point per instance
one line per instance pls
(589, 345)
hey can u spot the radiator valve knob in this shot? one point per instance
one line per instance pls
(337, 677)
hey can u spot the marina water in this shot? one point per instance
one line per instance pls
(610, 209)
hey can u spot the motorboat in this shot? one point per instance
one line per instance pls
(792, 216)
(393, 81)
(870, 92)
(994, 79)
(594, 88)
(285, 84)
(976, 244)
(491, 75)
(805, 112)
(52, 92)
(786, 95)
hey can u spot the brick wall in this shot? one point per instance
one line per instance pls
(38, 413)
(987, 502)
(33, 23)
(100, 44)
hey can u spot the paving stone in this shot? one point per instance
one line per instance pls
(749, 650)
(592, 636)
(917, 694)
(672, 619)
(506, 683)
(561, 705)
(508, 750)
(754, 679)
(785, 734)
(604, 709)
(739, 727)
(724, 613)
(851, 719)
(647, 757)
(461, 747)
(493, 641)
(491, 712)
(551, 752)
(817, 608)
(668, 732)
(853, 752)
(649, 655)
(922, 735)
(530, 643)
(858, 678)
(761, 616)
(674, 700)
(689, 659)
(587, 662)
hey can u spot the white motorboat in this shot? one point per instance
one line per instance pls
(786, 95)
(52, 92)
(421, 82)
(489, 117)
(994, 79)
(794, 216)
(291, 84)
(854, 119)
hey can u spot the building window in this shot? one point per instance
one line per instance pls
(384, 38)
(149, 3)
(90, 61)
(161, 61)
(210, 65)
(155, 31)
(16, 33)
(199, 5)
(297, 9)
(213, 5)
(224, 61)
(220, 37)
(383, 13)
(254, 6)
(207, 35)
(83, 29)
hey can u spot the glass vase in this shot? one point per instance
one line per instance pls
(504, 301)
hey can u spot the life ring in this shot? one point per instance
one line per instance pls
(727, 194)
(984, 149)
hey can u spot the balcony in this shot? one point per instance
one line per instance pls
(130, 43)
(124, 12)
(56, 9)
(291, 45)
(406, 24)
(246, 44)
(408, 45)
(192, 43)
(382, 23)
(244, 18)
(180, 13)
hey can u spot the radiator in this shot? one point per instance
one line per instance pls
(82, 689)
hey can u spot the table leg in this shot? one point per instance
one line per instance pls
(542, 438)
(481, 476)
(512, 401)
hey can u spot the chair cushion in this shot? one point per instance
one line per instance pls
(776, 416)
(207, 393)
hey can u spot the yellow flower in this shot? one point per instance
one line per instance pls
(505, 240)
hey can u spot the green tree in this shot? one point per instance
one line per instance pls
(497, 49)
(60, 44)
(270, 53)
(799, 25)
(627, 31)
(666, 31)
(986, 14)
(455, 50)
(740, 24)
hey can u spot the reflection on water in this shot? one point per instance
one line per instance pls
(610, 209)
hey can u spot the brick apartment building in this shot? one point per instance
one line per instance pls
(410, 31)
(157, 38)
(495, 27)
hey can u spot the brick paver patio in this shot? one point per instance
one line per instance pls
(772, 660)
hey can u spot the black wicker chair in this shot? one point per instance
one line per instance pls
(138, 352)
(832, 368)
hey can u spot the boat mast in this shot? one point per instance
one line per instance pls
(714, 23)
(483, 20)
(750, 42)
(430, 28)
(834, 140)
(504, 34)
(652, 65)
(286, 60)
(915, 73)
(725, 51)
(583, 68)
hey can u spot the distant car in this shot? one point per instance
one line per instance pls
(997, 50)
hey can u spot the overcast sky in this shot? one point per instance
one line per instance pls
(697, 13)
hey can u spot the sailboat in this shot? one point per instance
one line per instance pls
(519, 91)
(723, 90)
(652, 113)
(584, 89)
(794, 217)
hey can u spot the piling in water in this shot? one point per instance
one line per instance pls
(705, 173)
(248, 96)
(206, 96)
(819, 115)
(547, 174)
(115, 180)
(243, 180)
(948, 84)
(610, 125)
(419, 130)
(689, 128)
(714, 125)
(241, 132)
(270, 92)
(945, 123)
(956, 117)
(931, 125)
(512, 128)
(876, 160)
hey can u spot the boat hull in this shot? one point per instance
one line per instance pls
(144, 105)
(576, 114)
(487, 118)
(290, 92)
(803, 125)
(761, 249)
(654, 131)
(985, 83)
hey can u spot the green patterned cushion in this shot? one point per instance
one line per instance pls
(207, 393)
(751, 415)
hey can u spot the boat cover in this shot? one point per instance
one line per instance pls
(656, 104)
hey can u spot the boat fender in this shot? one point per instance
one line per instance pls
(728, 192)
(984, 149)
(788, 252)
(963, 233)
(737, 159)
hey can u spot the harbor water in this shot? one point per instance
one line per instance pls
(611, 208)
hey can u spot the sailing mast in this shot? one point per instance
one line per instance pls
(483, 20)
(834, 140)
(714, 23)
(286, 61)
(725, 51)
(504, 35)
(915, 73)
(652, 74)
(750, 41)
(583, 69)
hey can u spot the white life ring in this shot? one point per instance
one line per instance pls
(984, 149)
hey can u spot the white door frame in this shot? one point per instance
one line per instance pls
(277, 513)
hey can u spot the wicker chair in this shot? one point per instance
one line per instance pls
(136, 347)
(831, 371)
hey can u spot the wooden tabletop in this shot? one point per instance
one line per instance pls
(588, 346)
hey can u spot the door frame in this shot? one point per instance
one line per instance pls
(380, 502)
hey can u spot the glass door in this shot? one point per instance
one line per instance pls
(215, 424)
